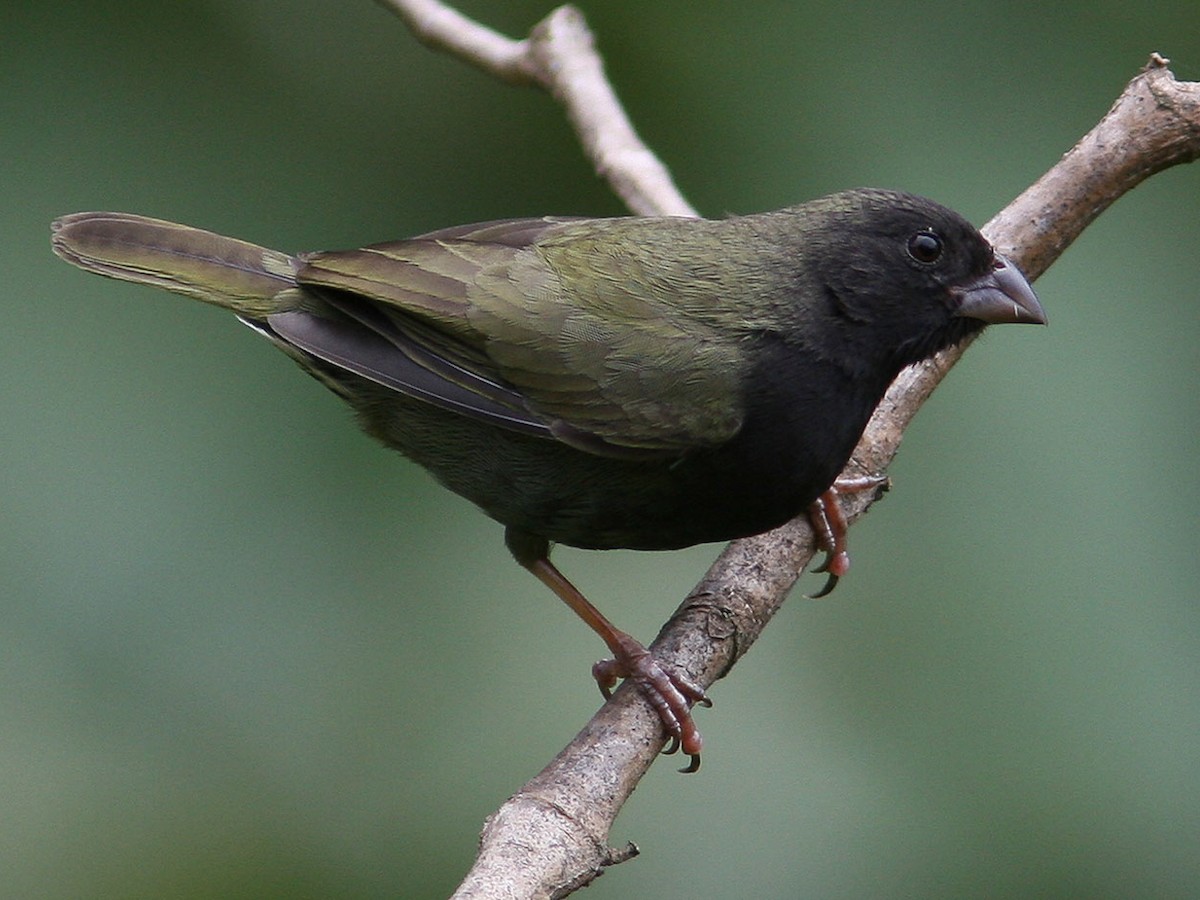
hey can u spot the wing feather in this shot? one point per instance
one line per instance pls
(601, 334)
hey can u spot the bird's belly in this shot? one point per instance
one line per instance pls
(758, 481)
(568, 496)
(605, 504)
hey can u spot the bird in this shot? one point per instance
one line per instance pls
(647, 383)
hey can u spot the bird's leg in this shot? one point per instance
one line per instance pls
(829, 525)
(671, 695)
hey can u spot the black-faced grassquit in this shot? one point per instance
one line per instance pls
(647, 383)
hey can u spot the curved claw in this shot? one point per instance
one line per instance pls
(671, 695)
(835, 565)
(830, 583)
(673, 748)
(829, 526)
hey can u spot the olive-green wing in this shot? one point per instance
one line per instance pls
(597, 332)
(361, 324)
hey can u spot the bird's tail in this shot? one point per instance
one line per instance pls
(229, 273)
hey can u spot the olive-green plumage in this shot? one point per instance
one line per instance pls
(643, 382)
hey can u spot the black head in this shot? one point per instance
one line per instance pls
(902, 277)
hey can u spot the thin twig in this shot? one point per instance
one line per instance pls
(443, 28)
(560, 56)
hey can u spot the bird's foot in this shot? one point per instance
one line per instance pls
(829, 525)
(672, 695)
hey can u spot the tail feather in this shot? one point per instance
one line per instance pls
(229, 273)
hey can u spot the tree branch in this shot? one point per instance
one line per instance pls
(551, 837)
(560, 56)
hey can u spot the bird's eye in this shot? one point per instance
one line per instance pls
(925, 247)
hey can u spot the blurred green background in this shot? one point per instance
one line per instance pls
(244, 652)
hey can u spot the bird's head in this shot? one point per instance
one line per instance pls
(904, 277)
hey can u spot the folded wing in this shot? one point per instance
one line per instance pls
(569, 329)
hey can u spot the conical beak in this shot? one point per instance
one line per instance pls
(999, 297)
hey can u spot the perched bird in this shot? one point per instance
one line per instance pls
(646, 383)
